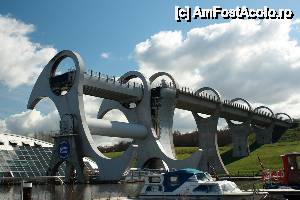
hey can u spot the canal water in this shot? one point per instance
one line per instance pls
(70, 192)
(85, 191)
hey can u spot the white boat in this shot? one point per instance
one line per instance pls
(193, 184)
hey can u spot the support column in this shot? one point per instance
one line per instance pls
(65, 150)
(240, 133)
(211, 160)
(263, 135)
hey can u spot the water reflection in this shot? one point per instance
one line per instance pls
(72, 192)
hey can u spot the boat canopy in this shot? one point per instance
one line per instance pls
(174, 179)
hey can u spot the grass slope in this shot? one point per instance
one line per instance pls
(268, 153)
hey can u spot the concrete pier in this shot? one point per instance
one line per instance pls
(207, 128)
(263, 135)
(211, 160)
(240, 133)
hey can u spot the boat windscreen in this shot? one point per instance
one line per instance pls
(203, 177)
(229, 186)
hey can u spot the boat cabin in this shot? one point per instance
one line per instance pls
(170, 181)
(173, 180)
(291, 166)
(289, 175)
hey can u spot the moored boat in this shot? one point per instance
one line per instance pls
(193, 184)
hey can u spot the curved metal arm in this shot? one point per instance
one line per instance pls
(158, 74)
(265, 107)
(211, 89)
(277, 114)
(241, 99)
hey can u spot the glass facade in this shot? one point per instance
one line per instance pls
(26, 161)
(25, 157)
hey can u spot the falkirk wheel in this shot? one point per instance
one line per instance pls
(149, 111)
(149, 146)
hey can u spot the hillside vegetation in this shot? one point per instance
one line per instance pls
(269, 154)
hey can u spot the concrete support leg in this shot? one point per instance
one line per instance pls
(163, 106)
(240, 133)
(263, 135)
(211, 160)
(65, 151)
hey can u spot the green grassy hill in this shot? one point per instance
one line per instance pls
(268, 153)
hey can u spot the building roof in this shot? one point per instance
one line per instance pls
(7, 141)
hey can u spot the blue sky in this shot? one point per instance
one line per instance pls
(114, 27)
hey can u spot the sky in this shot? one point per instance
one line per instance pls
(258, 60)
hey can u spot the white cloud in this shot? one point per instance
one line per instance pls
(30, 122)
(104, 55)
(107, 141)
(34, 121)
(256, 60)
(296, 21)
(21, 60)
(3, 128)
(91, 106)
(183, 121)
(290, 106)
(115, 115)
